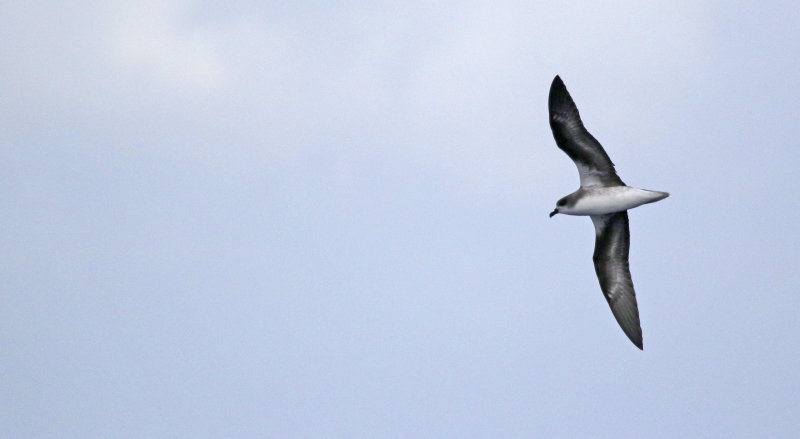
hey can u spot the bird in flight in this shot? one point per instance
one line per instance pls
(606, 200)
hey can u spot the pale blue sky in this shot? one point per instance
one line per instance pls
(329, 220)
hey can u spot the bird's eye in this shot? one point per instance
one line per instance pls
(561, 202)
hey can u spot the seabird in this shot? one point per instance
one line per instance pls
(606, 200)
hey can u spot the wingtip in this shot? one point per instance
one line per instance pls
(559, 100)
(557, 83)
(628, 319)
(635, 337)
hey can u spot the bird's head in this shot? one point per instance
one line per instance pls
(559, 205)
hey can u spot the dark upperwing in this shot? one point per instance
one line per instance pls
(594, 166)
(611, 247)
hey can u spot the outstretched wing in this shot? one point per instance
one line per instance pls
(594, 165)
(611, 264)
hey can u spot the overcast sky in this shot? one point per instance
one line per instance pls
(329, 220)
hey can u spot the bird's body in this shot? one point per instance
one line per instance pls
(605, 198)
(601, 200)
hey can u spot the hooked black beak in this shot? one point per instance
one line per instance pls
(553, 213)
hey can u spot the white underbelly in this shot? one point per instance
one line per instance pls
(600, 201)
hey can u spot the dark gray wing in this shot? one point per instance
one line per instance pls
(611, 264)
(594, 166)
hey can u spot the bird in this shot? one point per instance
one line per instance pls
(606, 199)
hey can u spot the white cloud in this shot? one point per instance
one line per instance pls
(157, 37)
(458, 87)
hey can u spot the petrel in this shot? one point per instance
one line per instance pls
(606, 200)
